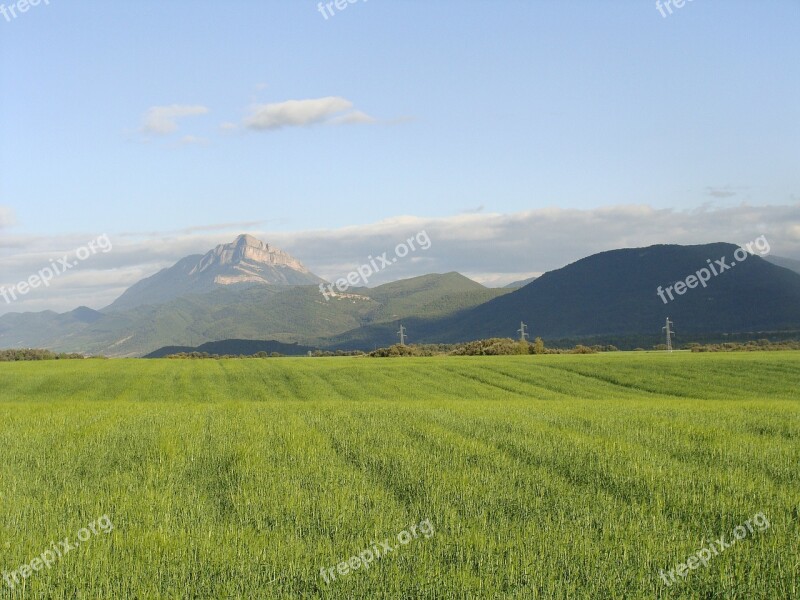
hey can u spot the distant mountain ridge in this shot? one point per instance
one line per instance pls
(246, 261)
(615, 293)
(515, 285)
(246, 291)
(283, 313)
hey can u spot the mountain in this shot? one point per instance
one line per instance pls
(245, 262)
(284, 313)
(40, 330)
(786, 263)
(522, 283)
(233, 296)
(615, 293)
(428, 296)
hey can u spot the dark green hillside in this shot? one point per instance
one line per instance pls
(615, 293)
(235, 348)
(428, 296)
(259, 312)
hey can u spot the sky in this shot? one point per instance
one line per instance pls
(522, 135)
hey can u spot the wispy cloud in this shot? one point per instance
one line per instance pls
(354, 118)
(726, 191)
(6, 217)
(302, 113)
(497, 249)
(492, 248)
(193, 140)
(236, 226)
(163, 120)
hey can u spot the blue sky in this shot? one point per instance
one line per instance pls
(495, 108)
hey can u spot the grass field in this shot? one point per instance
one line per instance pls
(540, 476)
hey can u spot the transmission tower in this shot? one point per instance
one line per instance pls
(402, 334)
(668, 330)
(523, 335)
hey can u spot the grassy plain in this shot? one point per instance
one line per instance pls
(542, 476)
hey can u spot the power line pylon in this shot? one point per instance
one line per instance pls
(668, 330)
(402, 334)
(523, 335)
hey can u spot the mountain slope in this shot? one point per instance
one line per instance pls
(515, 285)
(616, 293)
(40, 330)
(428, 296)
(283, 313)
(245, 262)
(609, 294)
(786, 263)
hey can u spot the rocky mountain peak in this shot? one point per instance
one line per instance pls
(248, 240)
(245, 261)
(247, 249)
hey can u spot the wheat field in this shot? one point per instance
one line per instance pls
(489, 477)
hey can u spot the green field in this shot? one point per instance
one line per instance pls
(540, 476)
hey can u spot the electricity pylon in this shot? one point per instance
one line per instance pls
(521, 331)
(667, 329)
(402, 334)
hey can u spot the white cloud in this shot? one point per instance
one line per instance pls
(726, 191)
(162, 120)
(234, 227)
(301, 113)
(492, 248)
(193, 140)
(355, 117)
(497, 249)
(6, 217)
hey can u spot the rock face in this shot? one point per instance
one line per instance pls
(246, 261)
(249, 260)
